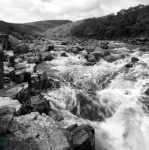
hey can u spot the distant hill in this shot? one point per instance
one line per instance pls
(63, 30)
(132, 22)
(33, 27)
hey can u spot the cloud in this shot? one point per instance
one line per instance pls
(21, 11)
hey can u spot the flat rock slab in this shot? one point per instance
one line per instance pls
(13, 91)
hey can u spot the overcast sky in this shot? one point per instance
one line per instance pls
(21, 11)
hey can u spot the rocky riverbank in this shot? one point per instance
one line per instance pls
(57, 92)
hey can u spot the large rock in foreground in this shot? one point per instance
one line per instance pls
(40, 132)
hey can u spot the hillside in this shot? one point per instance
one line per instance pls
(63, 30)
(33, 27)
(132, 22)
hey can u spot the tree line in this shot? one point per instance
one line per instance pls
(132, 22)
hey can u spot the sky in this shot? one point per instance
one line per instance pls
(22, 11)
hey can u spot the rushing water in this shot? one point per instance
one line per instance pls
(107, 96)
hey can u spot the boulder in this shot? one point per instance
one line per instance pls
(33, 131)
(104, 45)
(40, 104)
(89, 64)
(35, 81)
(9, 72)
(146, 92)
(49, 57)
(20, 92)
(6, 116)
(51, 84)
(74, 138)
(20, 65)
(18, 60)
(21, 49)
(98, 55)
(129, 65)
(134, 59)
(19, 76)
(63, 54)
(50, 47)
(42, 74)
(9, 102)
(91, 59)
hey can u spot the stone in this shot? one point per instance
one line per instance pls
(134, 59)
(16, 92)
(146, 92)
(63, 54)
(6, 116)
(9, 72)
(74, 138)
(89, 64)
(98, 55)
(49, 57)
(9, 102)
(21, 49)
(129, 65)
(35, 81)
(91, 59)
(20, 65)
(40, 104)
(32, 131)
(19, 76)
(11, 61)
(51, 84)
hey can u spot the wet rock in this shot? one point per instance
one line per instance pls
(64, 42)
(50, 48)
(129, 65)
(19, 76)
(51, 84)
(104, 45)
(19, 92)
(91, 59)
(89, 64)
(144, 49)
(40, 104)
(63, 54)
(35, 81)
(134, 59)
(146, 92)
(98, 55)
(77, 138)
(42, 75)
(49, 57)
